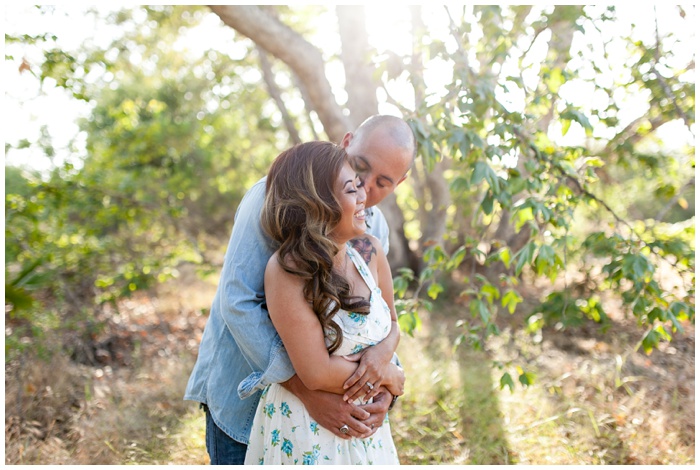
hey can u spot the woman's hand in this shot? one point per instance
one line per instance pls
(370, 373)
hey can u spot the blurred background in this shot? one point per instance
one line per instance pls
(543, 246)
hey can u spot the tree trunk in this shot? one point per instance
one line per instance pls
(400, 254)
(292, 49)
(307, 104)
(362, 103)
(432, 211)
(307, 64)
(355, 54)
(434, 220)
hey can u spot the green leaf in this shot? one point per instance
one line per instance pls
(434, 290)
(576, 115)
(565, 125)
(663, 334)
(18, 297)
(479, 172)
(522, 216)
(484, 311)
(637, 267)
(524, 257)
(650, 341)
(545, 259)
(409, 321)
(487, 204)
(504, 254)
(456, 258)
(507, 381)
(400, 286)
(526, 378)
(459, 185)
(490, 292)
(511, 299)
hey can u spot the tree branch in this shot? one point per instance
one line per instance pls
(291, 48)
(307, 103)
(273, 89)
(667, 207)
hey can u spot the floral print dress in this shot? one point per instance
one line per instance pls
(283, 432)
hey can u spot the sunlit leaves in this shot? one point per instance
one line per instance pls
(575, 115)
(511, 299)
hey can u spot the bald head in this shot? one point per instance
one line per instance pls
(393, 127)
(381, 151)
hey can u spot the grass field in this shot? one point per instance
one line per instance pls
(595, 400)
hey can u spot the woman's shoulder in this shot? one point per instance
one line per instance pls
(276, 268)
(368, 246)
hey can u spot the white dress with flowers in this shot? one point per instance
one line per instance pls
(283, 432)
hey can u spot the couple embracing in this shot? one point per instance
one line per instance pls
(297, 362)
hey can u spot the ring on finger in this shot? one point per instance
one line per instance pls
(344, 429)
(369, 385)
(371, 426)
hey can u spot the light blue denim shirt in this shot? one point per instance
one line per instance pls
(241, 352)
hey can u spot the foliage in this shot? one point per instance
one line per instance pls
(549, 177)
(169, 151)
(524, 181)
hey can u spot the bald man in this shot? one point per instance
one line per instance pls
(241, 352)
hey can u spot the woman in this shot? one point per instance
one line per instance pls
(324, 301)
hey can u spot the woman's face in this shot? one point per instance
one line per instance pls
(351, 197)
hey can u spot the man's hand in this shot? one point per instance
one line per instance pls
(332, 412)
(377, 409)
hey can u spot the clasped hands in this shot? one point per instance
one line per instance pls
(345, 418)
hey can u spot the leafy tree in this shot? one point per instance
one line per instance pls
(515, 193)
(171, 145)
(530, 166)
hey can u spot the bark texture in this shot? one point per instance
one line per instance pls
(308, 66)
(291, 48)
(355, 54)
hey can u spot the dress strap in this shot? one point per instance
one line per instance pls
(361, 266)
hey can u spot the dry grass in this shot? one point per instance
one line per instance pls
(595, 400)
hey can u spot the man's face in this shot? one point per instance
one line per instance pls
(379, 162)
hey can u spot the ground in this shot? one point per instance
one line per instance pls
(596, 399)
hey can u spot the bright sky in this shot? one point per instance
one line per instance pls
(388, 26)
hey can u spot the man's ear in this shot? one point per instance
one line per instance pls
(347, 138)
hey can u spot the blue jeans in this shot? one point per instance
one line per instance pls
(222, 449)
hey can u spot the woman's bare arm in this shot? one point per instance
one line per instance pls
(301, 332)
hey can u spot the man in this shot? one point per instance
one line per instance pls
(241, 352)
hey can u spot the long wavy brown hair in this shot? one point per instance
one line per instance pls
(299, 213)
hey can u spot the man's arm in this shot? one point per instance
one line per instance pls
(242, 298)
(332, 412)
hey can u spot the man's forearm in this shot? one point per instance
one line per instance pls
(295, 385)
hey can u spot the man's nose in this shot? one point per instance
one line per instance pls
(362, 193)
